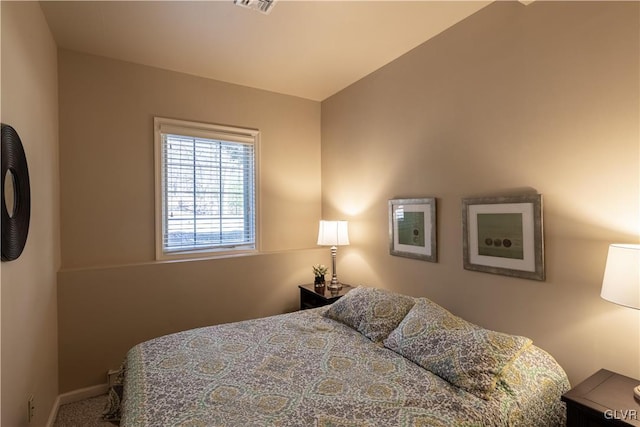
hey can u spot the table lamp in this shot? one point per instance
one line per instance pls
(334, 234)
(621, 281)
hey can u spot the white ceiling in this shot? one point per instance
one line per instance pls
(310, 49)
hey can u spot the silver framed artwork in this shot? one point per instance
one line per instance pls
(412, 228)
(504, 235)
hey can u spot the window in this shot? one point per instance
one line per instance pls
(205, 189)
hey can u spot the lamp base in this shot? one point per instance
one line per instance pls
(334, 286)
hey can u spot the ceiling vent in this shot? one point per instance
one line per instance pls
(263, 6)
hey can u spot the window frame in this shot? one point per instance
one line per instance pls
(162, 126)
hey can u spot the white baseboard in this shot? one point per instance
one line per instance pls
(75, 396)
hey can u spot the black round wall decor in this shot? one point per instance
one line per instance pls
(15, 225)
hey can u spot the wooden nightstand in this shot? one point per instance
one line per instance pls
(309, 298)
(603, 399)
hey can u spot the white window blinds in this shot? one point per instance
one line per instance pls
(208, 181)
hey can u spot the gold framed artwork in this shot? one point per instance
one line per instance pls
(412, 228)
(504, 235)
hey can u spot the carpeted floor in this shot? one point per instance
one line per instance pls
(85, 413)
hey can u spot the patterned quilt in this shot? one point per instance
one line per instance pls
(304, 369)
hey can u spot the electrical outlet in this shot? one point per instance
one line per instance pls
(112, 376)
(32, 408)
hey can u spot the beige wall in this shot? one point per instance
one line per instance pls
(106, 155)
(112, 294)
(515, 98)
(29, 316)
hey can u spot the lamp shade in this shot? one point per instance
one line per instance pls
(333, 233)
(621, 282)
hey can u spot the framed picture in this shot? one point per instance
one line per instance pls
(503, 235)
(412, 228)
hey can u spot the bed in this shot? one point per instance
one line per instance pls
(373, 358)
